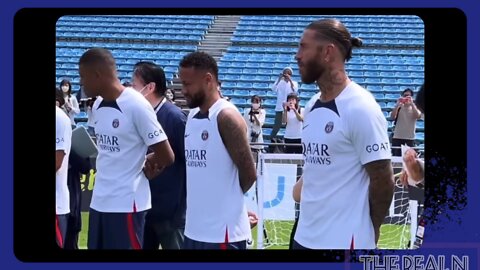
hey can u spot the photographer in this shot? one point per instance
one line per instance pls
(255, 118)
(283, 87)
(405, 115)
(293, 118)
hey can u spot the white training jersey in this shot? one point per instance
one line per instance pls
(63, 130)
(216, 211)
(124, 129)
(340, 137)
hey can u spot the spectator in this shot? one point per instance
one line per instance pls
(283, 86)
(255, 118)
(292, 117)
(71, 106)
(405, 115)
(170, 96)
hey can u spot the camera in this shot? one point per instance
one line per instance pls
(254, 136)
(404, 99)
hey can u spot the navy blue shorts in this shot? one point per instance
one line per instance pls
(115, 230)
(192, 244)
(61, 229)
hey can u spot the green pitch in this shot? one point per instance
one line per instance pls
(278, 235)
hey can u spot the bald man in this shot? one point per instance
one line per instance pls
(125, 126)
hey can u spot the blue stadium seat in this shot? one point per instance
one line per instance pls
(419, 136)
(372, 81)
(379, 97)
(261, 86)
(391, 88)
(270, 101)
(241, 93)
(228, 85)
(420, 125)
(374, 88)
(392, 97)
(227, 92)
(244, 85)
(261, 93)
(239, 101)
(388, 81)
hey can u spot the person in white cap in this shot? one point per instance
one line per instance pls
(283, 87)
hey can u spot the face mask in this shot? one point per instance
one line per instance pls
(169, 96)
(255, 106)
(65, 88)
(142, 90)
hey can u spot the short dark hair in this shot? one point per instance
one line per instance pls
(202, 61)
(67, 82)
(59, 97)
(150, 72)
(256, 98)
(407, 90)
(335, 31)
(294, 96)
(96, 56)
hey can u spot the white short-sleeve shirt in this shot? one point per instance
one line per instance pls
(339, 138)
(124, 129)
(63, 130)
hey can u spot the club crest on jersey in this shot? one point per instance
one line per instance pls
(115, 123)
(329, 127)
(204, 135)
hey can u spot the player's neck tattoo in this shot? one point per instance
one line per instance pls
(336, 81)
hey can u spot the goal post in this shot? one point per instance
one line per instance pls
(276, 175)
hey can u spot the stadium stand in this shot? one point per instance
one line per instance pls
(251, 51)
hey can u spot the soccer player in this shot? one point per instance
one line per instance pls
(63, 130)
(220, 167)
(347, 177)
(165, 222)
(125, 126)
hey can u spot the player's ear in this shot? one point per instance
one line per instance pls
(208, 78)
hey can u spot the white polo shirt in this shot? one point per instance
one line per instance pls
(215, 201)
(63, 130)
(124, 129)
(339, 138)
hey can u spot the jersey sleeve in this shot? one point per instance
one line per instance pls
(60, 129)
(368, 132)
(147, 124)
